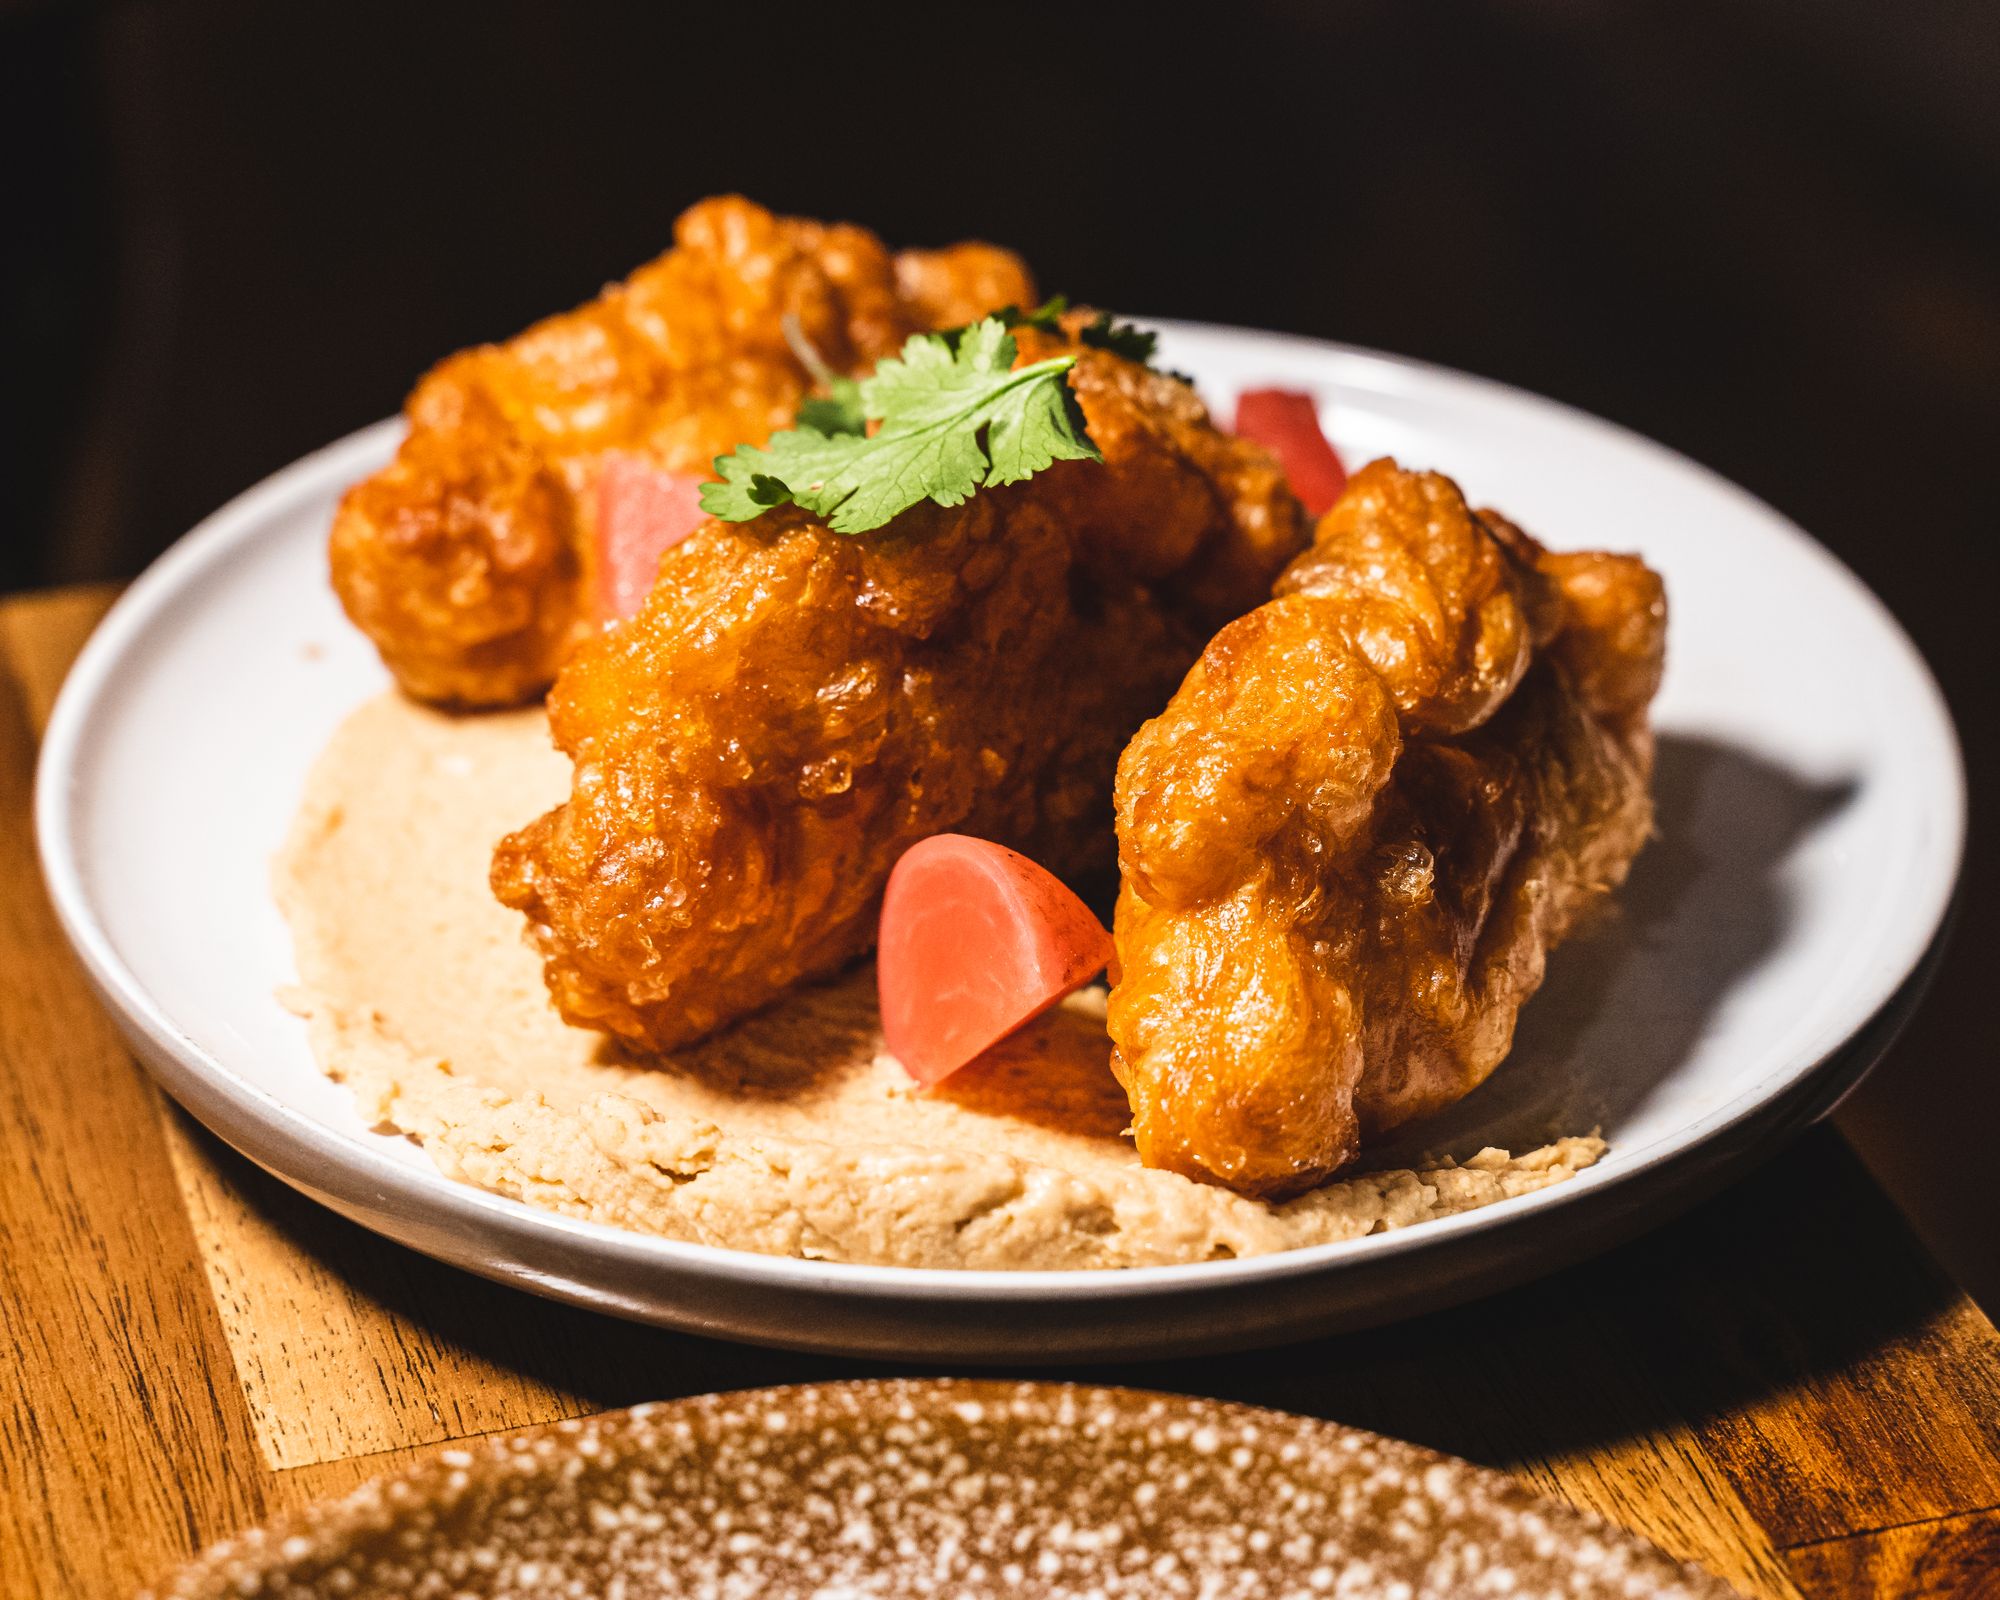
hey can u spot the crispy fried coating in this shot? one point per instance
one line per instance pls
(793, 708)
(1176, 501)
(961, 283)
(467, 559)
(1351, 839)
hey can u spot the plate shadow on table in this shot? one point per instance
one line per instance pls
(1650, 1334)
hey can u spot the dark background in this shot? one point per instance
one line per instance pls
(1766, 233)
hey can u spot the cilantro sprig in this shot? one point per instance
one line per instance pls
(950, 416)
(839, 410)
(1103, 331)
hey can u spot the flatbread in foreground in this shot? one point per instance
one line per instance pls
(790, 1134)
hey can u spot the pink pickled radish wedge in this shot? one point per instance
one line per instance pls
(976, 940)
(1286, 423)
(642, 513)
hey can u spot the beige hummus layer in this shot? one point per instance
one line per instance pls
(793, 1133)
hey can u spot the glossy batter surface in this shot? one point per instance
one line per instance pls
(793, 708)
(1353, 836)
(467, 559)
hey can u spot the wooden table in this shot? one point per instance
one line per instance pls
(1781, 1385)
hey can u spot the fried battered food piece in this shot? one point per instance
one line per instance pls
(1176, 501)
(1350, 841)
(467, 559)
(793, 708)
(959, 284)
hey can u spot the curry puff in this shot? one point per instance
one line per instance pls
(1353, 836)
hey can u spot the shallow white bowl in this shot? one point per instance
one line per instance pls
(1771, 940)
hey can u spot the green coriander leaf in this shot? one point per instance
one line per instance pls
(1120, 338)
(837, 411)
(930, 373)
(1047, 316)
(951, 418)
(754, 480)
(1103, 331)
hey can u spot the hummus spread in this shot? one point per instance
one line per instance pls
(791, 1133)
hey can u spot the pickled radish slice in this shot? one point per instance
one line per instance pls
(976, 940)
(642, 513)
(1286, 423)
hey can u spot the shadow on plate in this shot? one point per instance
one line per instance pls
(1628, 998)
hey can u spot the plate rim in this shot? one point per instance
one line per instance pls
(202, 1082)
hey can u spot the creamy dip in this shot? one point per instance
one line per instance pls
(792, 1133)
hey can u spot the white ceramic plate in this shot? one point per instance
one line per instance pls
(1773, 937)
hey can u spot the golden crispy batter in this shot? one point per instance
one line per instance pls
(1351, 839)
(792, 708)
(467, 559)
(961, 283)
(1176, 501)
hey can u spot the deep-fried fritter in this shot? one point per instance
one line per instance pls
(467, 558)
(792, 708)
(1351, 839)
(961, 283)
(1176, 501)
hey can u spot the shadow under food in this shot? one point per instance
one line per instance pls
(1055, 1073)
(1633, 993)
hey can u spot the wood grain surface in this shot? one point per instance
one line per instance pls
(1781, 1385)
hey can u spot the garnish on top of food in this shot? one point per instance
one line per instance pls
(976, 941)
(946, 417)
(1349, 842)
(793, 708)
(951, 414)
(1101, 332)
(470, 559)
